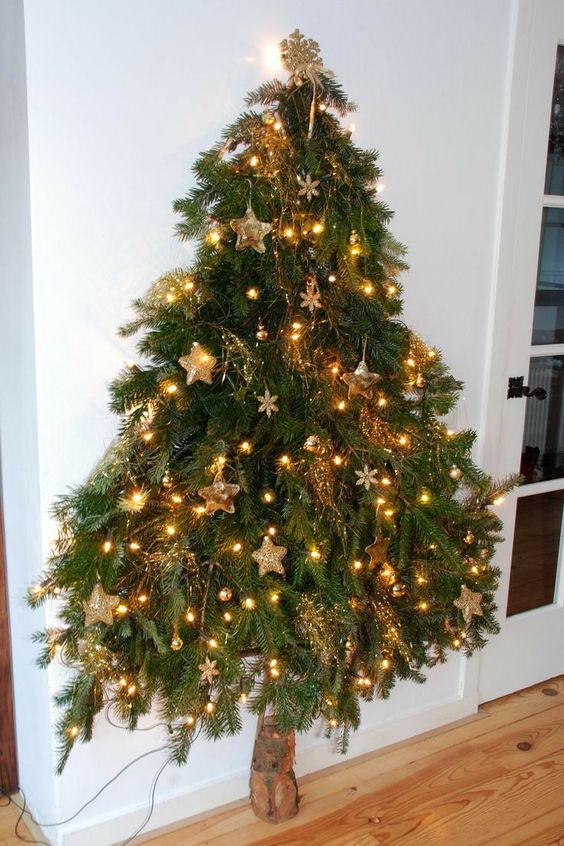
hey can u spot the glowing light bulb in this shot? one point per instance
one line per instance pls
(268, 497)
(272, 531)
(172, 388)
(357, 565)
(210, 707)
(142, 598)
(189, 286)
(73, 731)
(253, 293)
(134, 546)
(200, 509)
(245, 446)
(368, 289)
(122, 609)
(171, 530)
(237, 547)
(288, 232)
(423, 605)
(341, 406)
(214, 237)
(331, 278)
(148, 436)
(386, 663)
(498, 500)
(385, 481)
(132, 690)
(392, 290)
(315, 554)
(243, 698)
(425, 497)
(317, 228)
(249, 603)
(275, 598)
(228, 616)
(338, 460)
(190, 721)
(285, 459)
(212, 643)
(107, 546)
(190, 616)
(254, 161)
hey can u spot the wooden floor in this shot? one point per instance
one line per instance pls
(496, 779)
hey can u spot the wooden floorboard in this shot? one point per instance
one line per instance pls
(467, 784)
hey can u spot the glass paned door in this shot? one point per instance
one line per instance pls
(538, 522)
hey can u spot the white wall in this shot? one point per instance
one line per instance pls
(18, 433)
(122, 96)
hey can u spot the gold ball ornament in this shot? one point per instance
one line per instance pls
(261, 333)
(469, 537)
(361, 381)
(224, 594)
(250, 231)
(268, 117)
(269, 557)
(199, 365)
(219, 496)
(398, 589)
(354, 238)
(176, 643)
(455, 473)
(99, 607)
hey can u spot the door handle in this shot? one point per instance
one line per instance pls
(516, 389)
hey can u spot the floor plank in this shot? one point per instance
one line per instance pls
(467, 784)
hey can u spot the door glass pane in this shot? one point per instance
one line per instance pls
(555, 158)
(536, 547)
(548, 321)
(543, 442)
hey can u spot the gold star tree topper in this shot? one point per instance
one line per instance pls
(250, 231)
(378, 551)
(199, 365)
(269, 557)
(99, 607)
(469, 602)
(219, 495)
(208, 670)
(361, 381)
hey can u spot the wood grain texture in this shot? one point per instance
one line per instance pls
(8, 760)
(466, 784)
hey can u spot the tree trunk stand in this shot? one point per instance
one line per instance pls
(274, 789)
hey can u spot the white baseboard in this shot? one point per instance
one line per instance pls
(314, 753)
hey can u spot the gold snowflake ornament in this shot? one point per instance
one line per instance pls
(269, 557)
(366, 477)
(301, 57)
(311, 298)
(268, 403)
(250, 231)
(308, 187)
(99, 607)
(208, 671)
(469, 602)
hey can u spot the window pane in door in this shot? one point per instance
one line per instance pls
(548, 321)
(536, 545)
(543, 441)
(555, 159)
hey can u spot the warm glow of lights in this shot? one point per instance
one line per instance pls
(243, 698)
(382, 402)
(322, 107)
(271, 57)
(331, 278)
(498, 500)
(285, 460)
(210, 707)
(249, 603)
(272, 531)
(190, 616)
(189, 286)
(274, 672)
(245, 446)
(386, 663)
(228, 616)
(170, 297)
(171, 530)
(392, 289)
(123, 682)
(423, 605)
(237, 547)
(254, 161)
(403, 440)
(220, 460)
(122, 608)
(317, 228)
(148, 436)
(431, 353)
(132, 690)
(333, 723)
(425, 497)
(213, 237)
(190, 721)
(368, 289)
(450, 433)
(335, 369)
(385, 481)
(171, 388)
(73, 731)
(134, 546)
(338, 460)
(275, 598)
(341, 406)
(357, 565)
(253, 293)
(355, 250)
(380, 500)
(421, 580)
(212, 643)
(389, 512)
(288, 232)
(200, 509)
(410, 362)
(315, 554)
(107, 546)
(456, 643)
(142, 598)
(268, 497)
(176, 498)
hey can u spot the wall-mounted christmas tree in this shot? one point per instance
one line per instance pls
(283, 523)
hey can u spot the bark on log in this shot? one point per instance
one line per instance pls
(274, 789)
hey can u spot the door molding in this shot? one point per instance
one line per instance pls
(8, 756)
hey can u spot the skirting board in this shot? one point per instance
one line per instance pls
(174, 811)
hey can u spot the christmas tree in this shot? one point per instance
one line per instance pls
(284, 523)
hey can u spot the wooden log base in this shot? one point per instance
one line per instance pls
(274, 789)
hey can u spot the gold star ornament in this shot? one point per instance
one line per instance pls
(469, 602)
(219, 495)
(250, 231)
(99, 607)
(208, 671)
(199, 365)
(378, 552)
(361, 381)
(269, 557)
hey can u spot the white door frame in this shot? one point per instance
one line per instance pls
(523, 653)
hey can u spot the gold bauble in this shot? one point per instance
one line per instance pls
(398, 589)
(176, 643)
(224, 594)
